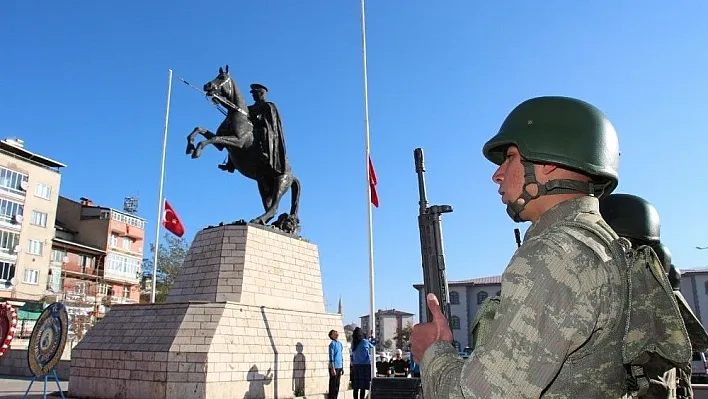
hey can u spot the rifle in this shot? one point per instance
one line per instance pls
(431, 242)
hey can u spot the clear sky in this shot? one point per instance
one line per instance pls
(84, 82)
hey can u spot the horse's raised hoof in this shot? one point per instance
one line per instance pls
(197, 152)
(190, 148)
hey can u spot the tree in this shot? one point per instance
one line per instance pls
(348, 330)
(388, 344)
(403, 336)
(170, 256)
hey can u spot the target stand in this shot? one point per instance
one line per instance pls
(47, 345)
(45, 377)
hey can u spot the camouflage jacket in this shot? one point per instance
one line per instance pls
(560, 323)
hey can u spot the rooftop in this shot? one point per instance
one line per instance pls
(491, 280)
(88, 203)
(494, 280)
(16, 148)
(390, 312)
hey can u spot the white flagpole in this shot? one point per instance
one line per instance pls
(160, 200)
(372, 309)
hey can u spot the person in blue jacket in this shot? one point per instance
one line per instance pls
(361, 363)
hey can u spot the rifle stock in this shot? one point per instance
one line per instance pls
(431, 242)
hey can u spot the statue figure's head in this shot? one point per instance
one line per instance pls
(258, 91)
(221, 85)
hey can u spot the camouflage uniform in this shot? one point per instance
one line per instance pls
(559, 327)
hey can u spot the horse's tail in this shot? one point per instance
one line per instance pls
(295, 196)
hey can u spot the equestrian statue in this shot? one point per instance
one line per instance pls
(253, 137)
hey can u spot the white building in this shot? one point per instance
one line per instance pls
(388, 323)
(467, 295)
(694, 287)
(465, 298)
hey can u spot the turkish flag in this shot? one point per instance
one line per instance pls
(171, 221)
(372, 184)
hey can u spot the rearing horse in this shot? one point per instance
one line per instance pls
(235, 134)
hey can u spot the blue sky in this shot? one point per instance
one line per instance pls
(84, 82)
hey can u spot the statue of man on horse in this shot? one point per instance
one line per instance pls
(253, 137)
(267, 130)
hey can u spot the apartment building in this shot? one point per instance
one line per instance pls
(98, 252)
(29, 190)
(466, 296)
(388, 323)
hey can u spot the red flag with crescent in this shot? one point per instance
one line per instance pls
(372, 184)
(171, 221)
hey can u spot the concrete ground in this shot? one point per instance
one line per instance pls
(15, 387)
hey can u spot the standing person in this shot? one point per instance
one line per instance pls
(637, 220)
(361, 363)
(560, 323)
(336, 365)
(400, 365)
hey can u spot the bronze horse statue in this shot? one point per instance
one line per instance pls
(241, 137)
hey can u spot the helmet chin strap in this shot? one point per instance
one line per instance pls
(559, 186)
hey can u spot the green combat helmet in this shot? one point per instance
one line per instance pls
(664, 255)
(632, 217)
(562, 131)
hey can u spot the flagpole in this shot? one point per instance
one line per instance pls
(372, 310)
(159, 200)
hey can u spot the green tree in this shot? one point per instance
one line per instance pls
(403, 336)
(348, 330)
(388, 344)
(170, 256)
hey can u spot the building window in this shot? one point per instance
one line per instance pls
(123, 265)
(455, 323)
(131, 220)
(10, 209)
(114, 240)
(103, 289)
(481, 297)
(39, 219)
(85, 262)
(7, 271)
(126, 291)
(31, 276)
(42, 190)
(58, 255)
(127, 243)
(12, 181)
(54, 279)
(35, 247)
(454, 298)
(80, 288)
(8, 241)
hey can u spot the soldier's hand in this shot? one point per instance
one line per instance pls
(424, 334)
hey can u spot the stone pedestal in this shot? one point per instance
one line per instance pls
(245, 318)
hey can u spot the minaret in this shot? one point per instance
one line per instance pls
(340, 305)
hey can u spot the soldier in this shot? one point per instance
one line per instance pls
(636, 219)
(560, 322)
